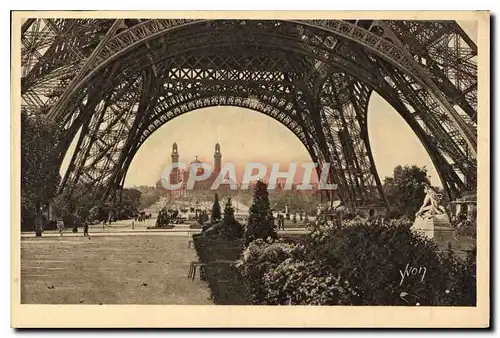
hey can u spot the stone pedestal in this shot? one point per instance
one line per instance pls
(438, 228)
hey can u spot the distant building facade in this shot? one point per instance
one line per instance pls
(181, 175)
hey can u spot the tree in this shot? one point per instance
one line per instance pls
(260, 220)
(228, 212)
(39, 167)
(216, 215)
(127, 203)
(64, 208)
(294, 200)
(148, 198)
(405, 190)
(86, 203)
(231, 228)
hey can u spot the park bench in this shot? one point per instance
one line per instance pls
(193, 267)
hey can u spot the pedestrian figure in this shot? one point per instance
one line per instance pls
(85, 228)
(60, 226)
(132, 224)
(281, 222)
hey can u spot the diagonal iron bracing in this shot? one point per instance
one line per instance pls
(117, 81)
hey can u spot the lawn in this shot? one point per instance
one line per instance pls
(123, 269)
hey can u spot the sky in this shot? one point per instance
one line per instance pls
(245, 135)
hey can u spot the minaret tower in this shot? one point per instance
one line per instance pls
(174, 174)
(217, 159)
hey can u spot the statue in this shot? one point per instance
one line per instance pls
(433, 221)
(430, 207)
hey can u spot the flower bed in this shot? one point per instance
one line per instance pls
(358, 263)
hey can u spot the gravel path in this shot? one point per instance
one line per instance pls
(139, 269)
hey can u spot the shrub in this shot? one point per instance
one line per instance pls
(203, 218)
(405, 190)
(215, 215)
(299, 282)
(374, 257)
(460, 285)
(223, 278)
(466, 228)
(231, 229)
(213, 248)
(227, 228)
(260, 256)
(358, 263)
(260, 220)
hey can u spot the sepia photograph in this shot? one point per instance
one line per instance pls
(262, 161)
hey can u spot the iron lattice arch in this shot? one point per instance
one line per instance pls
(112, 83)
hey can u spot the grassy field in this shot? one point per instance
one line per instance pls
(109, 270)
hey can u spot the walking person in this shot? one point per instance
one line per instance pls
(86, 228)
(60, 226)
(280, 221)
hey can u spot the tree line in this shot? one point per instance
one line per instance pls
(40, 180)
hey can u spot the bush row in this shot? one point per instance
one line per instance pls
(223, 278)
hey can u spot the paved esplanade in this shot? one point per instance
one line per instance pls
(109, 269)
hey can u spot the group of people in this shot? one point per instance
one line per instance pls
(280, 218)
(61, 227)
(142, 217)
(281, 222)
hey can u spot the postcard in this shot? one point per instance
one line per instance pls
(250, 169)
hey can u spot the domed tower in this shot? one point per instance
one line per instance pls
(195, 168)
(174, 174)
(175, 153)
(217, 159)
(197, 164)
